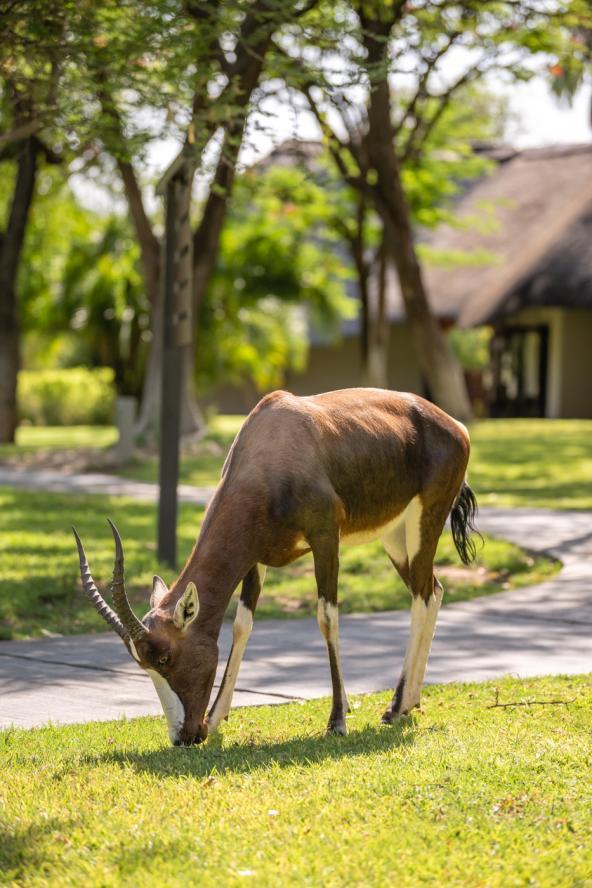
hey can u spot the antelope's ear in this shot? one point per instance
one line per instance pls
(187, 607)
(159, 590)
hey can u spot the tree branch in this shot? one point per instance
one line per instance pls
(20, 132)
(148, 241)
(421, 92)
(532, 703)
(423, 127)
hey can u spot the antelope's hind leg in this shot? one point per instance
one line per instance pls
(326, 561)
(241, 630)
(411, 546)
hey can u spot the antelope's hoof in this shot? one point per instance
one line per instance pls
(336, 727)
(391, 718)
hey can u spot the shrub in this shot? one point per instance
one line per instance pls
(75, 396)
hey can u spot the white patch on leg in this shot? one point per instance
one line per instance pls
(413, 528)
(328, 620)
(402, 537)
(171, 704)
(241, 630)
(262, 571)
(423, 625)
(394, 540)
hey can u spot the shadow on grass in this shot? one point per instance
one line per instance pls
(22, 850)
(247, 756)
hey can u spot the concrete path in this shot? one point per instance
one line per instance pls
(52, 481)
(543, 629)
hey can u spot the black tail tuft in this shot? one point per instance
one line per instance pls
(462, 523)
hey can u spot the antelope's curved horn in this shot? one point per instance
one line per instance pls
(93, 594)
(135, 629)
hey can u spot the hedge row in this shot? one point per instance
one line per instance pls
(75, 396)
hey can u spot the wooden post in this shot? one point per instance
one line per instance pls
(177, 328)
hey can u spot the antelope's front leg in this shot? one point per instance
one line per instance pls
(326, 561)
(241, 630)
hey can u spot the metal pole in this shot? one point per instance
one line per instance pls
(176, 282)
(170, 401)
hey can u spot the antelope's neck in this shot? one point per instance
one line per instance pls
(220, 559)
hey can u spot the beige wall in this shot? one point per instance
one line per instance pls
(576, 383)
(338, 366)
(332, 367)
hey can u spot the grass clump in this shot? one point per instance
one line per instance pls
(39, 568)
(458, 794)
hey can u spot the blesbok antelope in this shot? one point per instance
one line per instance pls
(303, 474)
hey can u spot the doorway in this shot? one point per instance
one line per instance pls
(519, 371)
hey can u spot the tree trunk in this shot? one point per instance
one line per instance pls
(438, 364)
(376, 368)
(374, 329)
(11, 244)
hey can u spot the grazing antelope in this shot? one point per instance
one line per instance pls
(303, 474)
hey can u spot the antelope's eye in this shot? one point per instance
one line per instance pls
(163, 660)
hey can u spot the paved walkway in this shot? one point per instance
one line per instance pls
(53, 481)
(543, 629)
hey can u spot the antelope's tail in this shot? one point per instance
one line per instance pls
(462, 524)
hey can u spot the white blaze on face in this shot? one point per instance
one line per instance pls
(171, 704)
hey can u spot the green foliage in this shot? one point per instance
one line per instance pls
(104, 303)
(571, 51)
(458, 794)
(76, 396)
(56, 222)
(471, 347)
(448, 162)
(278, 272)
(81, 293)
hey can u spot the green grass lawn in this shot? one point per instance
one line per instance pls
(60, 438)
(459, 794)
(532, 462)
(514, 462)
(41, 590)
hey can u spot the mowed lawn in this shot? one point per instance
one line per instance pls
(60, 437)
(41, 590)
(514, 462)
(458, 794)
(532, 462)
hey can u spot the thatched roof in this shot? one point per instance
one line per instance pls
(533, 215)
